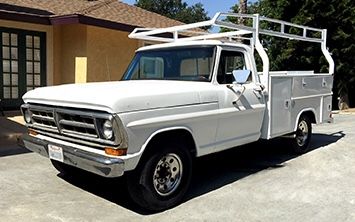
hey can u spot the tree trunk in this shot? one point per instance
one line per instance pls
(343, 102)
(242, 9)
(243, 6)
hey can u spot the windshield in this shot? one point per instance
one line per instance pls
(189, 64)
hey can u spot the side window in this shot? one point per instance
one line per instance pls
(229, 61)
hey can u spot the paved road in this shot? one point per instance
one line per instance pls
(259, 182)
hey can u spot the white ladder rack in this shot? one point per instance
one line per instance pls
(192, 32)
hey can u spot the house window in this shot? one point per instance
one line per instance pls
(22, 64)
(33, 62)
(10, 65)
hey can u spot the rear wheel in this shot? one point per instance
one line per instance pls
(300, 143)
(162, 179)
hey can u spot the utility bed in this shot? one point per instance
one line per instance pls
(292, 93)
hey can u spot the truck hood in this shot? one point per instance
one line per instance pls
(123, 96)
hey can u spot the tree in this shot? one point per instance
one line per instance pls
(175, 9)
(338, 16)
(243, 6)
(242, 9)
(237, 8)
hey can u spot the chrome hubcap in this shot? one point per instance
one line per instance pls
(302, 133)
(167, 174)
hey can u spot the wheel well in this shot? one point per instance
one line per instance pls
(310, 115)
(177, 135)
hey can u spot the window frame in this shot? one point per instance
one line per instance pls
(247, 59)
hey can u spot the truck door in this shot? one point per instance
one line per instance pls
(241, 105)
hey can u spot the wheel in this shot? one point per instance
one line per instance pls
(162, 179)
(300, 143)
(63, 168)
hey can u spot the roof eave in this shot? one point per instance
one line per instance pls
(64, 20)
(24, 17)
(87, 20)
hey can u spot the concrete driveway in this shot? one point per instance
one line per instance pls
(258, 182)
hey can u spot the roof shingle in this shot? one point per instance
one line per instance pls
(108, 10)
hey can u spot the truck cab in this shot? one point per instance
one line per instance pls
(215, 65)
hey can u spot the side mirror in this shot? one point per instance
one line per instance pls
(241, 76)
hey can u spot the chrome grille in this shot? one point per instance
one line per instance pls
(68, 122)
(43, 118)
(77, 124)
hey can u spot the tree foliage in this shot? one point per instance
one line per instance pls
(175, 9)
(338, 16)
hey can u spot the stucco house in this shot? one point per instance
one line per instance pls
(47, 42)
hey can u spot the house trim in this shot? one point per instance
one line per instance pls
(24, 17)
(65, 19)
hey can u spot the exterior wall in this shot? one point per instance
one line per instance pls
(82, 53)
(73, 51)
(57, 54)
(49, 42)
(109, 52)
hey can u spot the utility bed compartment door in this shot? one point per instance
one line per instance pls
(280, 106)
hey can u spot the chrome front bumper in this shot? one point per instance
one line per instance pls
(92, 162)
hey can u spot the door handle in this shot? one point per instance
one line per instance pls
(304, 84)
(258, 89)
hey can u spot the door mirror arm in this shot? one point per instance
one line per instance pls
(238, 93)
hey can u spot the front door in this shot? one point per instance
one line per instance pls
(241, 106)
(22, 64)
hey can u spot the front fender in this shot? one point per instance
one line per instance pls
(133, 159)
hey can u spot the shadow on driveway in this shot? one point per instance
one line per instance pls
(11, 131)
(12, 149)
(210, 172)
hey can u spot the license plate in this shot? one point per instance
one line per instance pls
(55, 153)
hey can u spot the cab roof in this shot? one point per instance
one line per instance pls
(194, 43)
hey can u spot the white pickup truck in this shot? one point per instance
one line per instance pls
(188, 96)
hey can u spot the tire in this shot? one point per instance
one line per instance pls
(63, 168)
(300, 144)
(162, 178)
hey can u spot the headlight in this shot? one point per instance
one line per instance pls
(107, 129)
(27, 115)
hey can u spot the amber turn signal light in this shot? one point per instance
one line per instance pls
(32, 132)
(115, 152)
